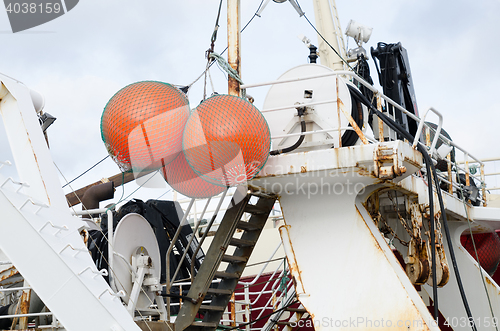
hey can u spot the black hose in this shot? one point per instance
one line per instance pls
(452, 254)
(350, 137)
(297, 144)
(396, 127)
(433, 242)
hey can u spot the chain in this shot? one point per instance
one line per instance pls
(401, 219)
(438, 230)
(404, 243)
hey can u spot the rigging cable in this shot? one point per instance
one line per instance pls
(396, 127)
(477, 255)
(137, 189)
(211, 49)
(225, 49)
(71, 181)
(326, 41)
(106, 238)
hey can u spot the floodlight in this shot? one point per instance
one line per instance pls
(361, 33)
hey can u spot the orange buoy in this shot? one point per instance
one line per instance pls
(226, 140)
(142, 125)
(184, 180)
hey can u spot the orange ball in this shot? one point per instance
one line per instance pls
(226, 140)
(184, 180)
(142, 125)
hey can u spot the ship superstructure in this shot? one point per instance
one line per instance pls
(375, 212)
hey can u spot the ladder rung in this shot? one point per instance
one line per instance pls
(260, 194)
(241, 242)
(247, 226)
(205, 324)
(212, 308)
(218, 291)
(223, 274)
(234, 259)
(297, 310)
(254, 210)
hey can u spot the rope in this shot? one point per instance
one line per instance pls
(284, 281)
(225, 49)
(227, 68)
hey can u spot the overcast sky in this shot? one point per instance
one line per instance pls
(81, 59)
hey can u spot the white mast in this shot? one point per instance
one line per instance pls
(324, 11)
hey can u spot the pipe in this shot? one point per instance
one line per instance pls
(300, 113)
(111, 251)
(297, 143)
(96, 194)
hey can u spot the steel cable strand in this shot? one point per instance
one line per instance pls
(477, 256)
(225, 49)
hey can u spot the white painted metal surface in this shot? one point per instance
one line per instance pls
(39, 236)
(29, 148)
(450, 302)
(133, 235)
(319, 95)
(52, 257)
(324, 11)
(336, 252)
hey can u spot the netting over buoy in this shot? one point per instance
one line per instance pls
(142, 125)
(488, 249)
(226, 140)
(184, 180)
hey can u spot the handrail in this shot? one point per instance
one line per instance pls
(13, 289)
(188, 246)
(368, 86)
(263, 268)
(421, 122)
(311, 132)
(421, 126)
(272, 286)
(209, 226)
(170, 249)
(26, 315)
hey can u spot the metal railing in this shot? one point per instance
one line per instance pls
(275, 284)
(439, 138)
(485, 163)
(54, 324)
